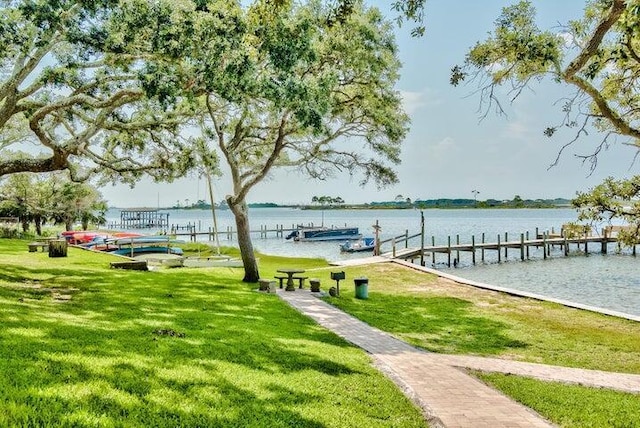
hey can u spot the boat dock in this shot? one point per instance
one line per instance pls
(501, 246)
(193, 231)
(141, 218)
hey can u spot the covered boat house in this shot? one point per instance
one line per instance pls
(143, 218)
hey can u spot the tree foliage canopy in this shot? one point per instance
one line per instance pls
(69, 84)
(50, 198)
(289, 88)
(610, 201)
(598, 56)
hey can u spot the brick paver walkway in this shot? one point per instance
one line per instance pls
(448, 396)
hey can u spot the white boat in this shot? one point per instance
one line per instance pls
(364, 244)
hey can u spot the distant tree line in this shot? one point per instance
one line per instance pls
(516, 202)
(39, 199)
(327, 201)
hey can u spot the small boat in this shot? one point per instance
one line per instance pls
(75, 237)
(135, 245)
(365, 244)
(325, 234)
(150, 249)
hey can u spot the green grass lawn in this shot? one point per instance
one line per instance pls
(570, 405)
(442, 316)
(85, 345)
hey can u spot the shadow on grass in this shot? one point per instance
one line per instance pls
(439, 324)
(97, 358)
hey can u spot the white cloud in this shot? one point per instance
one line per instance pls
(412, 101)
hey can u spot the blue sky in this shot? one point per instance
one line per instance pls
(449, 151)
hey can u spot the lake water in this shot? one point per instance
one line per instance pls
(609, 281)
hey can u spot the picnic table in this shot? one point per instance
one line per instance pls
(290, 272)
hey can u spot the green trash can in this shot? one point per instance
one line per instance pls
(362, 287)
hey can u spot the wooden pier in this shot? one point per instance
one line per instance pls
(193, 231)
(501, 246)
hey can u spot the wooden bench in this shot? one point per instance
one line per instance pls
(283, 278)
(33, 246)
(131, 265)
(301, 280)
(613, 231)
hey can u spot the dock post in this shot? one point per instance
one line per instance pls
(603, 243)
(449, 251)
(522, 246)
(458, 245)
(433, 253)
(499, 253)
(421, 238)
(393, 247)
(544, 245)
(506, 239)
(586, 248)
(482, 251)
(527, 238)
(406, 238)
(473, 249)
(566, 246)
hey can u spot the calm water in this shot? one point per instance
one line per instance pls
(610, 281)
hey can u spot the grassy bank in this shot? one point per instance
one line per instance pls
(84, 345)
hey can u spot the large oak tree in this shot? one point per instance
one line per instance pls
(295, 89)
(71, 87)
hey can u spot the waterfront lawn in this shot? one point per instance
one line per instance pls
(570, 405)
(442, 316)
(85, 345)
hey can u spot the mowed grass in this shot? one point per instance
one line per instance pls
(443, 316)
(446, 317)
(85, 345)
(570, 406)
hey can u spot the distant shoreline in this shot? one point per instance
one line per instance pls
(558, 203)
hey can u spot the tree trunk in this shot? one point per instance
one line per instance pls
(241, 213)
(25, 223)
(38, 222)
